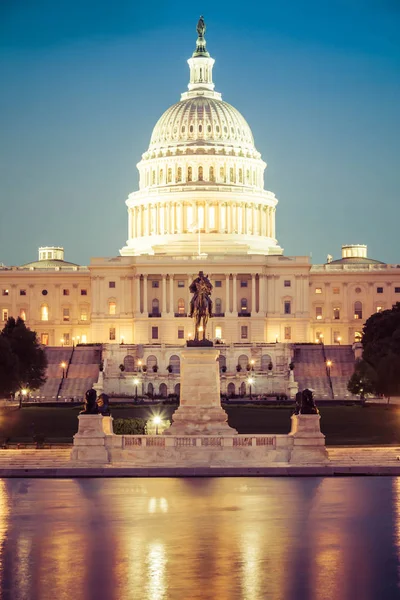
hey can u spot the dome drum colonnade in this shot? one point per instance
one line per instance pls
(203, 173)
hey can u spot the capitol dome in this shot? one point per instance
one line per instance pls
(201, 177)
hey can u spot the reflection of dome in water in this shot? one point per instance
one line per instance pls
(202, 120)
(201, 174)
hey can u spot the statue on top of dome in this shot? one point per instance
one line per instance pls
(201, 27)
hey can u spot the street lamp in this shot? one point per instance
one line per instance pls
(339, 339)
(136, 382)
(252, 364)
(250, 381)
(328, 367)
(62, 341)
(22, 395)
(139, 362)
(157, 422)
(63, 366)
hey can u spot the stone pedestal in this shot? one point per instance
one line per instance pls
(90, 441)
(200, 410)
(308, 441)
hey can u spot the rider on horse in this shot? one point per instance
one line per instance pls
(201, 303)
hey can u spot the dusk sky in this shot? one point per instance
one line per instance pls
(84, 82)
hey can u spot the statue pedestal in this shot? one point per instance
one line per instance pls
(200, 410)
(308, 441)
(90, 441)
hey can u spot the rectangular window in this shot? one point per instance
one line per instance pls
(318, 312)
(218, 333)
(44, 339)
(44, 313)
(318, 290)
(84, 338)
(5, 292)
(155, 284)
(83, 292)
(218, 284)
(336, 290)
(336, 337)
(336, 313)
(181, 283)
(379, 290)
(287, 307)
(22, 314)
(288, 333)
(4, 314)
(154, 333)
(111, 334)
(22, 292)
(65, 292)
(65, 314)
(243, 283)
(83, 314)
(243, 332)
(111, 284)
(66, 339)
(287, 283)
(112, 308)
(181, 333)
(397, 290)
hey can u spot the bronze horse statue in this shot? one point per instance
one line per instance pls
(201, 304)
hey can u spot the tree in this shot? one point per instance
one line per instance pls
(32, 361)
(381, 353)
(363, 380)
(9, 368)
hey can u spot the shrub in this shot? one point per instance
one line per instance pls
(155, 368)
(270, 365)
(169, 368)
(238, 368)
(121, 367)
(129, 426)
(223, 368)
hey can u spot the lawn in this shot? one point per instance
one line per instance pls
(340, 424)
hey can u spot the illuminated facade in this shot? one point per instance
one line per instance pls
(201, 203)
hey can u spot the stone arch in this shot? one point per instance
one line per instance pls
(222, 361)
(151, 361)
(163, 390)
(231, 389)
(358, 310)
(177, 389)
(175, 363)
(150, 390)
(243, 361)
(242, 389)
(129, 363)
(265, 360)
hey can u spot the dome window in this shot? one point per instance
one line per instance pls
(179, 175)
(200, 128)
(232, 130)
(217, 129)
(211, 175)
(201, 174)
(191, 129)
(189, 174)
(183, 129)
(169, 176)
(225, 130)
(209, 129)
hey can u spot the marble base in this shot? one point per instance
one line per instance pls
(90, 441)
(308, 441)
(200, 410)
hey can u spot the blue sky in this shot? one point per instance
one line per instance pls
(84, 82)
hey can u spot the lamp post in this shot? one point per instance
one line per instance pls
(22, 395)
(339, 339)
(62, 341)
(73, 342)
(252, 362)
(78, 339)
(139, 362)
(250, 381)
(328, 367)
(157, 422)
(136, 382)
(63, 366)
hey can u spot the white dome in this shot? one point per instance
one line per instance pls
(202, 121)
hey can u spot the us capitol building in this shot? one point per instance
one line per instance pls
(201, 204)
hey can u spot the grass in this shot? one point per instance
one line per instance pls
(342, 425)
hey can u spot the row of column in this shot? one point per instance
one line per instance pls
(177, 217)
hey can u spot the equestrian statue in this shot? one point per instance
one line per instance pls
(201, 305)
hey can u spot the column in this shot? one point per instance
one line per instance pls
(137, 294)
(273, 223)
(253, 292)
(157, 228)
(164, 295)
(219, 225)
(206, 219)
(171, 294)
(145, 307)
(261, 287)
(254, 220)
(234, 294)
(227, 299)
(172, 218)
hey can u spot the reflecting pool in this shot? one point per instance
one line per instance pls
(245, 538)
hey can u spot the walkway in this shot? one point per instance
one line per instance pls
(350, 460)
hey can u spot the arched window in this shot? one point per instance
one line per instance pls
(169, 176)
(189, 174)
(155, 306)
(218, 306)
(240, 176)
(211, 174)
(112, 307)
(22, 314)
(177, 389)
(161, 176)
(175, 363)
(163, 390)
(181, 306)
(129, 363)
(247, 176)
(231, 175)
(222, 173)
(44, 313)
(150, 390)
(265, 360)
(357, 336)
(243, 361)
(151, 362)
(358, 310)
(153, 177)
(243, 305)
(242, 391)
(231, 389)
(222, 361)
(200, 176)
(179, 175)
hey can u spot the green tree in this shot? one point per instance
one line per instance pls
(9, 369)
(32, 361)
(363, 380)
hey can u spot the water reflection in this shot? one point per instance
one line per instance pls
(158, 539)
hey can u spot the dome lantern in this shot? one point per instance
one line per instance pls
(201, 65)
